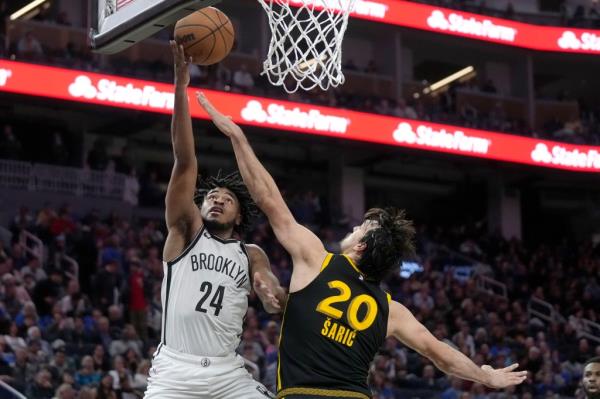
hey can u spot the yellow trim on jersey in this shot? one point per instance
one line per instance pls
(329, 393)
(353, 264)
(279, 345)
(388, 296)
(326, 261)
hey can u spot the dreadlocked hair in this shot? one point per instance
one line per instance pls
(388, 243)
(234, 183)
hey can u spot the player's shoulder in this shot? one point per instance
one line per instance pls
(254, 251)
(253, 248)
(181, 239)
(397, 311)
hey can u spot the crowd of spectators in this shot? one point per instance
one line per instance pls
(51, 148)
(91, 333)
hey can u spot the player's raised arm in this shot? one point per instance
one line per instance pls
(305, 247)
(406, 328)
(182, 215)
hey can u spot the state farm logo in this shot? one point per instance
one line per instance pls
(279, 115)
(370, 9)
(363, 8)
(559, 155)
(586, 41)
(5, 74)
(111, 92)
(427, 136)
(82, 87)
(470, 26)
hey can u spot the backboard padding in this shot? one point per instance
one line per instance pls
(114, 29)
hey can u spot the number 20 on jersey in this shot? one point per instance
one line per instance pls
(338, 332)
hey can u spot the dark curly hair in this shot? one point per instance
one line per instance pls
(388, 243)
(234, 183)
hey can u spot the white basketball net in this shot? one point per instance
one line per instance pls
(306, 42)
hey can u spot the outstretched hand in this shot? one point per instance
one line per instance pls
(222, 122)
(181, 64)
(502, 378)
(266, 294)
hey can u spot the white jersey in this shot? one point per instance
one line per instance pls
(205, 296)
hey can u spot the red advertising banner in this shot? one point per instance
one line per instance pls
(476, 26)
(107, 90)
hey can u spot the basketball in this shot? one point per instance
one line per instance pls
(206, 35)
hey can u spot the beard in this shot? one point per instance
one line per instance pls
(215, 227)
(591, 395)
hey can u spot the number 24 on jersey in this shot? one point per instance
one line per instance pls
(217, 300)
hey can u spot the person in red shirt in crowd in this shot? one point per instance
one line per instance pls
(138, 305)
(63, 224)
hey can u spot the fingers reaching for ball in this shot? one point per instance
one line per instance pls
(181, 62)
(175, 50)
(179, 53)
(222, 122)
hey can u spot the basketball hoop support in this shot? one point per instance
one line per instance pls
(116, 31)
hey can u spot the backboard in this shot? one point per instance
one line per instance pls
(118, 24)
